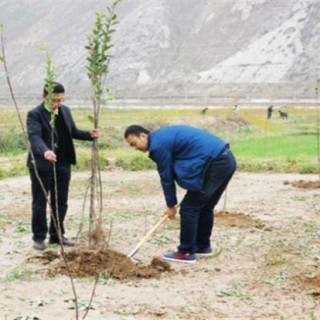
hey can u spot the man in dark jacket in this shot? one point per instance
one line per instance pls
(197, 161)
(51, 131)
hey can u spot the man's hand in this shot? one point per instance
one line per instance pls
(171, 212)
(50, 156)
(95, 133)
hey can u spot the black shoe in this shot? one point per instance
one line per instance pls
(39, 245)
(65, 241)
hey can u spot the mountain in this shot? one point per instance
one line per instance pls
(169, 50)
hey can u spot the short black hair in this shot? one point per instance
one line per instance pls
(135, 130)
(57, 88)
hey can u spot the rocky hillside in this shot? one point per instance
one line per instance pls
(205, 50)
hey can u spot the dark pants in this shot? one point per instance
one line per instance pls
(197, 208)
(39, 202)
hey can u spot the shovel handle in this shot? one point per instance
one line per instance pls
(147, 236)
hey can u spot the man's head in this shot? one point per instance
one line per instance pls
(58, 94)
(137, 137)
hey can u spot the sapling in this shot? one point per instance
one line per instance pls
(97, 71)
(49, 86)
(99, 45)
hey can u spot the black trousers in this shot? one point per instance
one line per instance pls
(39, 203)
(197, 208)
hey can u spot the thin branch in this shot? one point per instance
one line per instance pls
(55, 215)
(83, 207)
(91, 298)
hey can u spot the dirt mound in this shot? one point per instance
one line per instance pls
(237, 219)
(304, 184)
(86, 262)
(310, 282)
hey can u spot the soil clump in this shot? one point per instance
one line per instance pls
(304, 184)
(87, 262)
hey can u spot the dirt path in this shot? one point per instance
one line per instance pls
(266, 227)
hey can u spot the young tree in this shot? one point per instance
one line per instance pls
(99, 45)
(49, 86)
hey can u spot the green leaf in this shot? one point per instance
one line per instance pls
(91, 118)
(99, 44)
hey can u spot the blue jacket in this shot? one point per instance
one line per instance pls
(182, 153)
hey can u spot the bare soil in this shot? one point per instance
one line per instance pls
(266, 263)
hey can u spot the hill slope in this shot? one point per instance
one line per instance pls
(173, 49)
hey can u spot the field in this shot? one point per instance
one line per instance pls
(260, 145)
(268, 267)
(266, 234)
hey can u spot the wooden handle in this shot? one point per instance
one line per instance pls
(147, 236)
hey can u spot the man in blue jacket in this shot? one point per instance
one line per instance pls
(51, 131)
(197, 161)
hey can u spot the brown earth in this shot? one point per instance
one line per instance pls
(87, 262)
(266, 263)
(304, 184)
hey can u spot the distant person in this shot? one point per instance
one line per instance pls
(269, 111)
(197, 161)
(61, 152)
(283, 115)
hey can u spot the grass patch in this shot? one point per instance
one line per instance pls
(124, 158)
(12, 142)
(282, 146)
(17, 274)
(260, 145)
(134, 162)
(280, 153)
(13, 165)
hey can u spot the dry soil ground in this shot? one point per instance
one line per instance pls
(266, 227)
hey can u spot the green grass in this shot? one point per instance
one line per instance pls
(260, 145)
(18, 273)
(312, 316)
(285, 146)
(281, 153)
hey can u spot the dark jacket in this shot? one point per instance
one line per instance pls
(39, 134)
(182, 154)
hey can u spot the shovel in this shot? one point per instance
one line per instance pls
(147, 236)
